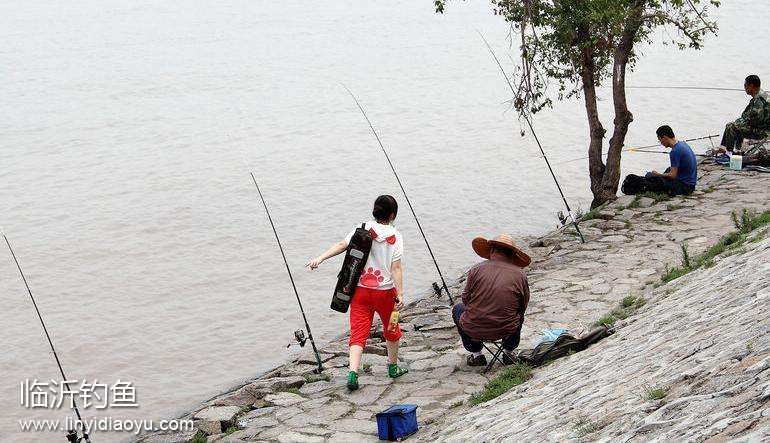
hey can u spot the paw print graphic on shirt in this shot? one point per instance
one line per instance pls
(372, 278)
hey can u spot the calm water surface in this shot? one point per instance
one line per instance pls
(127, 135)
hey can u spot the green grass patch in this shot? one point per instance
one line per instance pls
(656, 196)
(634, 203)
(367, 368)
(590, 215)
(585, 426)
(606, 319)
(626, 308)
(456, 404)
(312, 378)
(710, 189)
(657, 218)
(199, 437)
(509, 377)
(673, 273)
(686, 257)
(759, 236)
(652, 394)
(231, 430)
(292, 390)
(730, 243)
(673, 207)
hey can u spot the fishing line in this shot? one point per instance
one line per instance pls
(419, 226)
(72, 434)
(529, 123)
(691, 88)
(642, 148)
(299, 337)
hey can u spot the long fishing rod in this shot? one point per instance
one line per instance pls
(532, 130)
(642, 148)
(297, 334)
(72, 435)
(689, 88)
(419, 226)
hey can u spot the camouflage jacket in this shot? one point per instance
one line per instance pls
(757, 113)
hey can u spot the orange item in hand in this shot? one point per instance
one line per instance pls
(393, 323)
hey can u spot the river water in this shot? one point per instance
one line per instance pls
(129, 129)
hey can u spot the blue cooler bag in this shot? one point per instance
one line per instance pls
(397, 422)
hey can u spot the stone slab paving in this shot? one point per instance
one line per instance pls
(572, 285)
(703, 339)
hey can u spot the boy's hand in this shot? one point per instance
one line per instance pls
(314, 263)
(399, 302)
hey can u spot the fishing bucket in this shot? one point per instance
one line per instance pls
(397, 422)
(736, 162)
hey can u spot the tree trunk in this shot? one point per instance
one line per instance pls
(595, 129)
(607, 185)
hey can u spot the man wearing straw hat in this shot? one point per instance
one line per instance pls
(494, 300)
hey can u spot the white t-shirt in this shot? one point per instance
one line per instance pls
(387, 247)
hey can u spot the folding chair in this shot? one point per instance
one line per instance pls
(496, 353)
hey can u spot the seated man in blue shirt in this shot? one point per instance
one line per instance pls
(679, 179)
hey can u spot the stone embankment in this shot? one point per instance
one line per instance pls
(692, 364)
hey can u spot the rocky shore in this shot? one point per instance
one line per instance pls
(692, 364)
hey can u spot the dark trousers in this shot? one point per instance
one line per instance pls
(734, 134)
(634, 184)
(667, 185)
(472, 345)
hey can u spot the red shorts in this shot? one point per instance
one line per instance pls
(367, 301)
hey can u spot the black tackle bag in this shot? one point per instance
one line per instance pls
(355, 260)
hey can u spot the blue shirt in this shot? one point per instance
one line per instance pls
(684, 160)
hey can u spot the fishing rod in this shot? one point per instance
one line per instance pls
(72, 434)
(419, 226)
(642, 148)
(690, 88)
(298, 334)
(532, 130)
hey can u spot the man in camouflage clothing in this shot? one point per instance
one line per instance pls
(754, 122)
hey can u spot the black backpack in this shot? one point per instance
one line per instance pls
(352, 266)
(633, 184)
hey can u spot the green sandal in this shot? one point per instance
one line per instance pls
(352, 380)
(394, 371)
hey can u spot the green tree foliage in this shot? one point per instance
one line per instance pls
(571, 47)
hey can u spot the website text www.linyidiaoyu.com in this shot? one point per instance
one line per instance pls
(105, 424)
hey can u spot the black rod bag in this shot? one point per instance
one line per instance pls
(355, 260)
(563, 345)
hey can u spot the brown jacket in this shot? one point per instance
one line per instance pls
(496, 295)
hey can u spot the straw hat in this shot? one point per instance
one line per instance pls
(482, 247)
